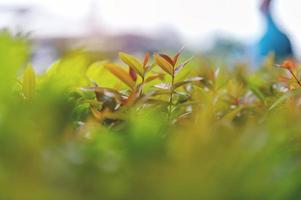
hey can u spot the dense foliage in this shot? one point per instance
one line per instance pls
(147, 127)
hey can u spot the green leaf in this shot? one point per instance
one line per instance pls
(232, 114)
(132, 62)
(95, 70)
(180, 67)
(29, 82)
(256, 91)
(285, 97)
(13, 55)
(163, 86)
(190, 80)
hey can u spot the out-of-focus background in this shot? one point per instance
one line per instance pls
(140, 25)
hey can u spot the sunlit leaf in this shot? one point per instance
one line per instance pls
(13, 55)
(95, 70)
(70, 71)
(132, 62)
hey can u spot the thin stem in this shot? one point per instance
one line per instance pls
(142, 85)
(292, 73)
(171, 95)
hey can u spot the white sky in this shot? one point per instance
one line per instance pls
(194, 19)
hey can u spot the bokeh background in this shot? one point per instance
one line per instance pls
(139, 25)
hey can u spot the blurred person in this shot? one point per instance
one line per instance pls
(274, 40)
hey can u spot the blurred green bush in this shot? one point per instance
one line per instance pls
(79, 131)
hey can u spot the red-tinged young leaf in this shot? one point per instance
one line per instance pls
(175, 59)
(121, 74)
(167, 58)
(133, 74)
(146, 59)
(289, 64)
(166, 66)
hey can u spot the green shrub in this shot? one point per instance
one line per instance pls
(147, 129)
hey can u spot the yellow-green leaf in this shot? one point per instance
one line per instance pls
(122, 74)
(232, 114)
(132, 62)
(166, 66)
(29, 82)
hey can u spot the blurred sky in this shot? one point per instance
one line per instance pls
(195, 19)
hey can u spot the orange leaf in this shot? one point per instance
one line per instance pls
(166, 66)
(132, 98)
(288, 64)
(167, 58)
(154, 77)
(175, 60)
(283, 79)
(121, 74)
(146, 59)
